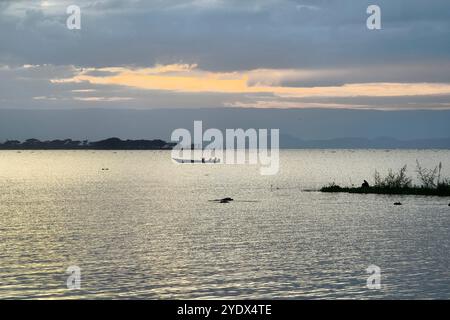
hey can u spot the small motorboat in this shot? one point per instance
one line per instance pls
(203, 160)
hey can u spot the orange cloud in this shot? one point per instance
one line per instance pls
(188, 78)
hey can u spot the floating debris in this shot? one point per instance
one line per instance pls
(397, 204)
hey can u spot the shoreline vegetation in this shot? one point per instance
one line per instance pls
(69, 144)
(431, 184)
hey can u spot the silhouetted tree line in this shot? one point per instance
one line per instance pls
(69, 144)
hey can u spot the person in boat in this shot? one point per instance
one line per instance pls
(365, 184)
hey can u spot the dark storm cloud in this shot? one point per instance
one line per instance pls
(225, 35)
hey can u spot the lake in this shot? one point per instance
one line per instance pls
(146, 228)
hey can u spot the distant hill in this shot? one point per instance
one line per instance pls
(290, 142)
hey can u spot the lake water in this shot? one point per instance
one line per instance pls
(146, 228)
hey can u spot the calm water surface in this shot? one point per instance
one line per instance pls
(146, 228)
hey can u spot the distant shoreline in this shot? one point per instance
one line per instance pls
(158, 144)
(69, 144)
(286, 143)
(170, 147)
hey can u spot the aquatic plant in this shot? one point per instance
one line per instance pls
(400, 183)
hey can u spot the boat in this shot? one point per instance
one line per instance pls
(203, 160)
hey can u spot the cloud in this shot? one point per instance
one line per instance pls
(190, 79)
(187, 86)
(213, 53)
(225, 35)
(280, 104)
(102, 99)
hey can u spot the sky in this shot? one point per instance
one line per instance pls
(225, 53)
(305, 124)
